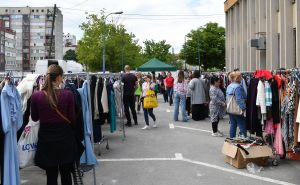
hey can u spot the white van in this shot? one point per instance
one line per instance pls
(67, 66)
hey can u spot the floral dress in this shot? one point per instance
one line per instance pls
(216, 105)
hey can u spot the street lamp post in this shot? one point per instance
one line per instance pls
(104, 38)
(199, 50)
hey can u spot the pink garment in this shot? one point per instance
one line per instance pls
(278, 142)
(269, 128)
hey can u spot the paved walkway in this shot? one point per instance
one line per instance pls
(172, 154)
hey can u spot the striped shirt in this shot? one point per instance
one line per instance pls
(268, 92)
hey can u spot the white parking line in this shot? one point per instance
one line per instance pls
(171, 125)
(179, 157)
(24, 181)
(266, 179)
(189, 128)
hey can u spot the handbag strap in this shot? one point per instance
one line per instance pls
(58, 112)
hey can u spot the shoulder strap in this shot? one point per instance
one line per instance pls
(58, 112)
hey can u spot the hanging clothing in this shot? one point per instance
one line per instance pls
(275, 101)
(253, 123)
(96, 108)
(93, 82)
(88, 157)
(268, 93)
(1, 146)
(112, 112)
(25, 89)
(118, 100)
(99, 96)
(104, 98)
(78, 122)
(12, 120)
(244, 85)
(261, 97)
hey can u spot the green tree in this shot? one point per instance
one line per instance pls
(90, 47)
(161, 51)
(211, 39)
(70, 55)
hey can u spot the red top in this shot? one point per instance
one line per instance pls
(169, 81)
(263, 74)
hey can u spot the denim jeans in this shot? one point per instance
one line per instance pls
(170, 94)
(148, 112)
(235, 121)
(180, 100)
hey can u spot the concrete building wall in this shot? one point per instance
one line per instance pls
(275, 20)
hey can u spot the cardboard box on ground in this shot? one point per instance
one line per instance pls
(238, 158)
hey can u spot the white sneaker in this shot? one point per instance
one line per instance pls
(154, 125)
(146, 127)
(217, 134)
(220, 133)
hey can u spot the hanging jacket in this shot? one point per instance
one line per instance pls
(12, 120)
(88, 157)
(275, 101)
(261, 97)
(104, 99)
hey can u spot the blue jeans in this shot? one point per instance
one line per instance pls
(170, 94)
(148, 112)
(235, 121)
(180, 100)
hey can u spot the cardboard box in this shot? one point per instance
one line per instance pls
(238, 158)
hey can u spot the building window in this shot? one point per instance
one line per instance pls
(32, 10)
(37, 10)
(42, 10)
(19, 11)
(6, 10)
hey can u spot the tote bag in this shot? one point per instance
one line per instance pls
(150, 100)
(27, 144)
(232, 106)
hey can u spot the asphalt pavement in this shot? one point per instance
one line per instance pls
(174, 153)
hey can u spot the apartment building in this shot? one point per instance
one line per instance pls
(262, 34)
(7, 47)
(69, 42)
(33, 26)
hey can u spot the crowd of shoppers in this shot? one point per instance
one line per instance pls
(191, 97)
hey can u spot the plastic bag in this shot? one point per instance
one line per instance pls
(27, 144)
(254, 168)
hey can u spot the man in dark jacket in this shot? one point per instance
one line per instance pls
(130, 82)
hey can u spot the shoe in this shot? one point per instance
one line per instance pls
(136, 123)
(154, 125)
(217, 134)
(220, 133)
(128, 125)
(146, 127)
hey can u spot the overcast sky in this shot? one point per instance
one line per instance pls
(152, 20)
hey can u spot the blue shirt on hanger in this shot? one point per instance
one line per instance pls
(12, 120)
(88, 157)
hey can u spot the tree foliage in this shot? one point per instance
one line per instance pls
(211, 39)
(90, 47)
(70, 55)
(161, 51)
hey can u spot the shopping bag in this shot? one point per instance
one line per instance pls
(232, 106)
(150, 100)
(27, 144)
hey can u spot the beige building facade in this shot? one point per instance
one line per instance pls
(262, 34)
